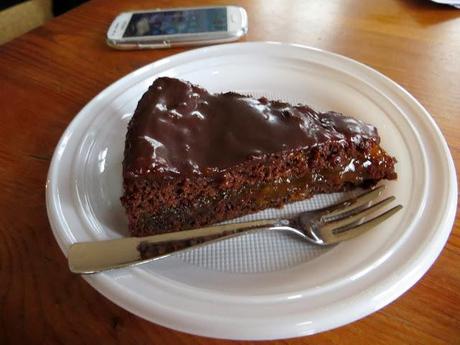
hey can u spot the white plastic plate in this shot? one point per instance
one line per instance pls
(234, 291)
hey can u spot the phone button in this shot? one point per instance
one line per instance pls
(163, 44)
(233, 18)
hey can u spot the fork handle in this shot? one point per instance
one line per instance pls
(92, 257)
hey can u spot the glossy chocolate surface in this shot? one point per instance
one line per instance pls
(179, 128)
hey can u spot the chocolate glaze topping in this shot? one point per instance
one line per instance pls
(179, 128)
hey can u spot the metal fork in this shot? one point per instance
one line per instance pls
(326, 226)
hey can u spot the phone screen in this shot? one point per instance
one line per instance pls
(177, 22)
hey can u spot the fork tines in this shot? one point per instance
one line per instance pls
(345, 220)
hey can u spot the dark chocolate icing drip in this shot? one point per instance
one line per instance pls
(179, 128)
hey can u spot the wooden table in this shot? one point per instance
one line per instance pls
(48, 75)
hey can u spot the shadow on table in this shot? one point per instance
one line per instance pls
(433, 13)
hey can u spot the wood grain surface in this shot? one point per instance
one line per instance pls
(49, 74)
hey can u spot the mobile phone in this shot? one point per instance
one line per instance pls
(164, 28)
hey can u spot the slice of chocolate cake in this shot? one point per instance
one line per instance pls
(193, 158)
